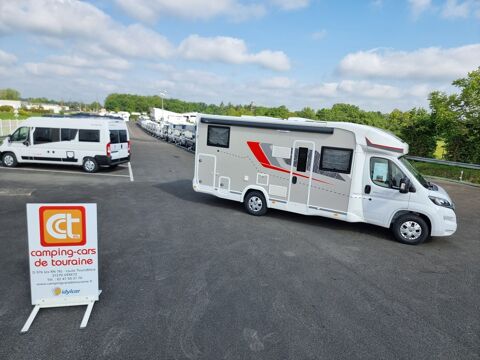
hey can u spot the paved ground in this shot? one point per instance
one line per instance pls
(190, 276)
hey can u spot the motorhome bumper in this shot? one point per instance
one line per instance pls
(445, 222)
(103, 160)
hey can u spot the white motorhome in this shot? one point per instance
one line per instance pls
(90, 142)
(340, 170)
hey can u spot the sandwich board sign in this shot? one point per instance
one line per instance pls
(63, 255)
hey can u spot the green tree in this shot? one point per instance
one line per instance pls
(458, 118)
(9, 94)
(419, 130)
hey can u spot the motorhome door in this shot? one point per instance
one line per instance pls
(301, 174)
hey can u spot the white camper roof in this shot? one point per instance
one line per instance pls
(73, 122)
(369, 137)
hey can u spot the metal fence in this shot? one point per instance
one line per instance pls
(445, 162)
(8, 126)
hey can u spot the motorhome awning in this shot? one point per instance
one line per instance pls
(268, 125)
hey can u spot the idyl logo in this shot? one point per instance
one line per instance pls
(57, 291)
(62, 225)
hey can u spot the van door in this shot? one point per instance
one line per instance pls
(381, 195)
(44, 147)
(19, 143)
(301, 175)
(119, 146)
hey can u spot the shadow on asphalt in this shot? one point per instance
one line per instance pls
(182, 189)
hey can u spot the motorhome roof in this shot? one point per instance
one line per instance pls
(368, 136)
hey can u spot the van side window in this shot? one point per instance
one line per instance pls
(302, 159)
(336, 159)
(68, 134)
(46, 135)
(89, 135)
(218, 136)
(385, 173)
(20, 135)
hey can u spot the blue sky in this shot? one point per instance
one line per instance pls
(377, 54)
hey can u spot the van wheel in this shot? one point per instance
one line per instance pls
(255, 203)
(9, 160)
(410, 229)
(90, 165)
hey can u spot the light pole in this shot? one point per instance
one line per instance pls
(163, 93)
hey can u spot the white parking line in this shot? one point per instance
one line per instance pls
(130, 171)
(64, 172)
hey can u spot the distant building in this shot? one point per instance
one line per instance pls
(15, 104)
(55, 108)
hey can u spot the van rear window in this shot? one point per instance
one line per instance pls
(118, 136)
(89, 135)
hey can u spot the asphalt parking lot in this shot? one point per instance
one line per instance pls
(189, 276)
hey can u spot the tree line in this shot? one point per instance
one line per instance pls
(453, 119)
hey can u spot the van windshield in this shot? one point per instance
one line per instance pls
(414, 172)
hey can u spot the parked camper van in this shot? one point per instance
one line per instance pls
(344, 171)
(89, 142)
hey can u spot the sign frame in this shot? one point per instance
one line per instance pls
(66, 239)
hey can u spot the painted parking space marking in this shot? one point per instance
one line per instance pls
(130, 172)
(64, 172)
(16, 192)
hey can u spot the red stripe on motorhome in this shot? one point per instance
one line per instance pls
(263, 160)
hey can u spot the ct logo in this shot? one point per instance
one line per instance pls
(62, 225)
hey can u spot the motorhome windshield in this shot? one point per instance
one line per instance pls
(414, 172)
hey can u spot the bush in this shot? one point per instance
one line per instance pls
(6, 108)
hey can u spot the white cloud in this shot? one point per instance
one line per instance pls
(419, 6)
(7, 58)
(232, 51)
(278, 82)
(151, 10)
(429, 63)
(454, 9)
(115, 63)
(80, 22)
(319, 35)
(290, 4)
(369, 90)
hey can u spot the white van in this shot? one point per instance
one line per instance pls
(89, 142)
(345, 171)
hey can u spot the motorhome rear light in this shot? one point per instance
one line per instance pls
(109, 150)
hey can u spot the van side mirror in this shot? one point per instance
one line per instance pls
(404, 185)
(9, 138)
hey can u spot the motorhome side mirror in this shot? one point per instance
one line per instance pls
(9, 138)
(26, 143)
(404, 185)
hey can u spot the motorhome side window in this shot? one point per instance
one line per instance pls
(218, 136)
(336, 159)
(68, 134)
(385, 173)
(20, 135)
(46, 135)
(89, 135)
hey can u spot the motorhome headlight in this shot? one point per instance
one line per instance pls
(441, 202)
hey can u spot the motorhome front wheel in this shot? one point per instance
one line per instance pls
(410, 229)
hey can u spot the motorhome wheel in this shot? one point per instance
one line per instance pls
(255, 203)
